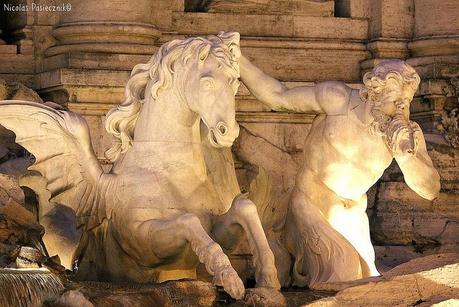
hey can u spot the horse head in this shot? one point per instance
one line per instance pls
(214, 80)
(203, 73)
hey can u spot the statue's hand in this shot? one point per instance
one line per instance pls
(403, 136)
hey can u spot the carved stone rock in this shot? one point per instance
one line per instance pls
(17, 91)
(427, 280)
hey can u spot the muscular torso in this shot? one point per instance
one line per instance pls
(342, 154)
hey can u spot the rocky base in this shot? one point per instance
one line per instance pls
(421, 282)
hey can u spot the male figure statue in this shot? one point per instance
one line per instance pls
(351, 142)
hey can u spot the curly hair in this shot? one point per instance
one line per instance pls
(147, 79)
(375, 80)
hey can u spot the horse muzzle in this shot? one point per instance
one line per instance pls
(223, 136)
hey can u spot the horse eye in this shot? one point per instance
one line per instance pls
(207, 82)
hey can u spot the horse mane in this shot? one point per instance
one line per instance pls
(158, 73)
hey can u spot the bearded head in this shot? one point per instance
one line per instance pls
(389, 89)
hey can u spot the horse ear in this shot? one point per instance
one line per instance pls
(232, 40)
(204, 53)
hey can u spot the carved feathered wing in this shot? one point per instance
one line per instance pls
(61, 144)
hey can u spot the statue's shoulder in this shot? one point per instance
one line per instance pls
(333, 96)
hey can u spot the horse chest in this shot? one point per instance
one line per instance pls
(158, 192)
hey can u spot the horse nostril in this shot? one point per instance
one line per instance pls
(222, 129)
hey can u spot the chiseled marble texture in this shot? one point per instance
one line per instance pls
(353, 139)
(170, 193)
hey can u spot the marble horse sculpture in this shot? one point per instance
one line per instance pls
(353, 139)
(158, 212)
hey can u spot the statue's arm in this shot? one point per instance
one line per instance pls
(328, 97)
(419, 172)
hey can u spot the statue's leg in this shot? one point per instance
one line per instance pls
(228, 228)
(165, 237)
(357, 231)
(368, 253)
(321, 253)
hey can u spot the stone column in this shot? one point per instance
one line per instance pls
(399, 216)
(18, 46)
(116, 26)
(435, 55)
(390, 29)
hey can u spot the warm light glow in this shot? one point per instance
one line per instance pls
(353, 226)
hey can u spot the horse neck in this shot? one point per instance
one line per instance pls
(166, 119)
(167, 135)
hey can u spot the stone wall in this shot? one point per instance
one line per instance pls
(82, 59)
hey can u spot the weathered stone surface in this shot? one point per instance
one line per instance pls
(431, 279)
(391, 18)
(71, 298)
(7, 49)
(176, 293)
(20, 239)
(436, 17)
(278, 25)
(17, 64)
(264, 297)
(352, 8)
(18, 226)
(17, 91)
(423, 264)
(390, 256)
(29, 258)
(297, 7)
(400, 217)
(9, 188)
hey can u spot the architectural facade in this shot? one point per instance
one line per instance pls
(79, 53)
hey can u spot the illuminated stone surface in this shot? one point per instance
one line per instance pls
(162, 233)
(88, 73)
(352, 141)
(428, 280)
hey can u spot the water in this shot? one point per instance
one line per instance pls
(27, 288)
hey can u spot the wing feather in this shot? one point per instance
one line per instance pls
(61, 144)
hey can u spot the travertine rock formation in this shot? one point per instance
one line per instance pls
(18, 228)
(399, 217)
(18, 91)
(424, 281)
(82, 58)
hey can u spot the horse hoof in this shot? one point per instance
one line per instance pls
(230, 281)
(268, 279)
(265, 297)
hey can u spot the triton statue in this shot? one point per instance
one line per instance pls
(353, 139)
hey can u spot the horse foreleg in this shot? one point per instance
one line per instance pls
(166, 236)
(243, 213)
